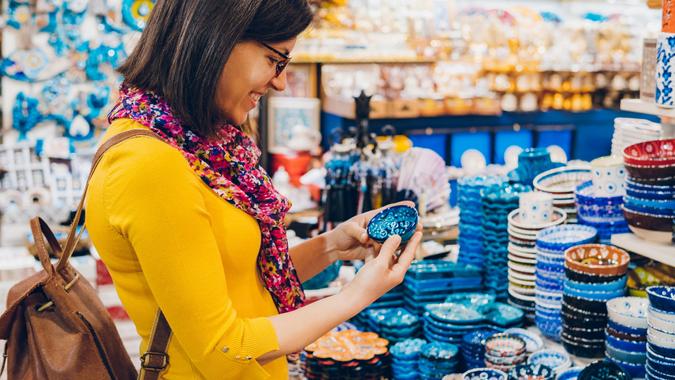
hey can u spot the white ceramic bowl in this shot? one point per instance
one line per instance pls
(660, 324)
(660, 339)
(629, 311)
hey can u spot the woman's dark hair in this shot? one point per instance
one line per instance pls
(186, 43)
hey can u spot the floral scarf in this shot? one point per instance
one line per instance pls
(228, 164)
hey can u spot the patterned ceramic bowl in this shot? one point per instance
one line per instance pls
(484, 374)
(505, 345)
(662, 298)
(396, 220)
(597, 259)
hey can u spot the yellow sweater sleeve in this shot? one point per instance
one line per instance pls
(156, 204)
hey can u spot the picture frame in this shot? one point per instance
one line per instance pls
(286, 116)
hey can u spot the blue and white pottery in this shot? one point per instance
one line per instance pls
(665, 51)
(454, 313)
(605, 370)
(653, 374)
(484, 374)
(594, 296)
(660, 338)
(560, 238)
(660, 320)
(636, 371)
(532, 340)
(652, 354)
(470, 299)
(626, 356)
(662, 297)
(557, 360)
(628, 311)
(626, 345)
(608, 176)
(625, 329)
(608, 287)
(531, 371)
(407, 349)
(396, 220)
(536, 207)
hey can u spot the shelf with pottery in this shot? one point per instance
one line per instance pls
(662, 253)
(649, 108)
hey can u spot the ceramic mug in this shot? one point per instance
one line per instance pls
(665, 68)
(609, 176)
(536, 207)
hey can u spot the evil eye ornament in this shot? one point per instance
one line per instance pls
(19, 14)
(25, 114)
(135, 13)
(103, 54)
(25, 65)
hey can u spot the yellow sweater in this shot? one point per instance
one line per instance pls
(169, 241)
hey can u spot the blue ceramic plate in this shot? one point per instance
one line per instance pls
(501, 314)
(396, 220)
(454, 313)
(409, 348)
(439, 351)
(471, 299)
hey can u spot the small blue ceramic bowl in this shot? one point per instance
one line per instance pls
(585, 195)
(662, 297)
(656, 374)
(609, 287)
(396, 220)
(647, 207)
(590, 295)
(560, 238)
(626, 329)
(660, 365)
(626, 356)
(626, 345)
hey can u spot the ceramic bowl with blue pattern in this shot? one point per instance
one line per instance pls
(570, 374)
(628, 311)
(662, 297)
(558, 360)
(626, 356)
(635, 370)
(484, 374)
(531, 372)
(605, 370)
(395, 220)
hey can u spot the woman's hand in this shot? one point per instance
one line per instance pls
(350, 241)
(384, 272)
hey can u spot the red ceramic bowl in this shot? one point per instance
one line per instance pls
(597, 259)
(651, 153)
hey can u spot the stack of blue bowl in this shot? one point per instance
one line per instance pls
(626, 343)
(470, 218)
(437, 360)
(532, 162)
(450, 321)
(431, 281)
(550, 274)
(498, 201)
(405, 358)
(473, 347)
(395, 324)
(601, 212)
(661, 333)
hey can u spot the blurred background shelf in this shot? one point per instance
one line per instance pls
(658, 252)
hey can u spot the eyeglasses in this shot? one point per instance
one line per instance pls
(281, 65)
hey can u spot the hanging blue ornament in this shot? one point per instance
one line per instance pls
(96, 101)
(103, 54)
(24, 65)
(79, 129)
(135, 13)
(25, 114)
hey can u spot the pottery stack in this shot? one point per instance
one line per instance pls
(626, 343)
(661, 333)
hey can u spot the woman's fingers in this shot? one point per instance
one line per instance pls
(389, 248)
(401, 266)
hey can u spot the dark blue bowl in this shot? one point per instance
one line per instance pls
(663, 351)
(626, 345)
(648, 208)
(396, 220)
(560, 238)
(604, 370)
(662, 297)
(625, 329)
(636, 371)
(656, 374)
(584, 195)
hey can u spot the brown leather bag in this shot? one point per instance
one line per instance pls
(55, 325)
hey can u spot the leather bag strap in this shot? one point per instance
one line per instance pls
(155, 359)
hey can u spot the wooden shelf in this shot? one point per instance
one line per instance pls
(640, 106)
(659, 252)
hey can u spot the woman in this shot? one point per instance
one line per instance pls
(191, 224)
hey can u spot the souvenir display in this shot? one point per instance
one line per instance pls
(395, 324)
(437, 360)
(405, 358)
(594, 274)
(473, 347)
(629, 131)
(561, 183)
(504, 352)
(661, 332)
(604, 213)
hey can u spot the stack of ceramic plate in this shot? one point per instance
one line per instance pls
(523, 258)
(626, 343)
(629, 131)
(450, 321)
(437, 360)
(561, 183)
(595, 274)
(498, 202)
(470, 218)
(431, 281)
(347, 354)
(395, 324)
(604, 213)
(528, 371)
(651, 165)
(559, 361)
(473, 347)
(661, 333)
(532, 339)
(504, 352)
(405, 358)
(550, 275)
